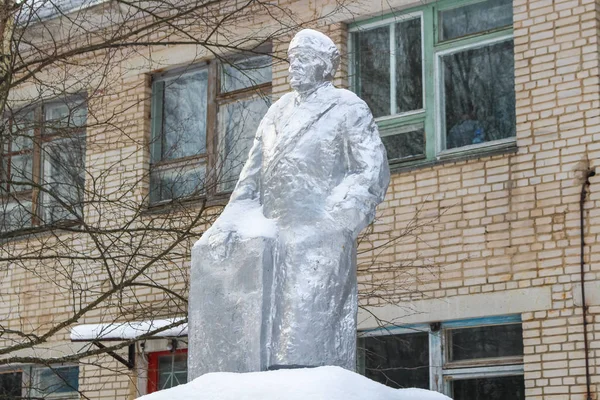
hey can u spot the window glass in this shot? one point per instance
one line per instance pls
(17, 159)
(474, 18)
(14, 214)
(238, 122)
(10, 385)
(59, 164)
(21, 172)
(172, 370)
(177, 181)
(63, 178)
(399, 361)
(372, 51)
(394, 67)
(409, 66)
(22, 132)
(404, 142)
(485, 342)
(493, 388)
(479, 95)
(56, 381)
(63, 115)
(179, 130)
(184, 116)
(244, 74)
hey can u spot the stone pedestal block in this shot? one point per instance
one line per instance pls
(226, 306)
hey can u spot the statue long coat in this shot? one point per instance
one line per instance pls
(318, 169)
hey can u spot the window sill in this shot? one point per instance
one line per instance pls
(480, 362)
(170, 206)
(463, 154)
(59, 396)
(20, 234)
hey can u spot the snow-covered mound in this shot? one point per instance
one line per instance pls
(323, 383)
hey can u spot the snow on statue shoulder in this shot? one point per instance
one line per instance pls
(274, 279)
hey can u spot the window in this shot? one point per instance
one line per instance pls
(55, 382)
(11, 383)
(438, 93)
(43, 161)
(397, 360)
(61, 382)
(166, 369)
(471, 360)
(196, 108)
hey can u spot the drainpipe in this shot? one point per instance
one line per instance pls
(584, 307)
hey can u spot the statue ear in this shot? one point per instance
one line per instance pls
(331, 67)
(328, 70)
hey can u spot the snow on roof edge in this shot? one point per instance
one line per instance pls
(127, 330)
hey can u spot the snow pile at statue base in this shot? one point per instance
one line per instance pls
(322, 383)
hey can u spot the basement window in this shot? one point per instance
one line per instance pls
(467, 360)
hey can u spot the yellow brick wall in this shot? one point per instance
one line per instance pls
(511, 222)
(506, 224)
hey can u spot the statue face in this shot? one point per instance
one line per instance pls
(307, 70)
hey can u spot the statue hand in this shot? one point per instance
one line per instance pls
(220, 242)
(349, 219)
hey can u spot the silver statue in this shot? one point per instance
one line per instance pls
(274, 279)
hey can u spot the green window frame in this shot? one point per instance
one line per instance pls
(426, 126)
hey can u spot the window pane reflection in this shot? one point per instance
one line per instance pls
(63, 178)
(485, 342)
(478, 17)
(172, 370)
(399, 361)
(409, 66)
(498, 388)
(57, 380)
(244, 74)
(184, 125)
(373, 69)
(21, 172)
(177, 181)
(238, 122)
(408, 142)
(10, 385)
(22, 132)
(479, 95)
(14, 214)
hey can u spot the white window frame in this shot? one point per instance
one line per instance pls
(440, 376)
(35, 380)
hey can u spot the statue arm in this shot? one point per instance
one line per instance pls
(352, 203)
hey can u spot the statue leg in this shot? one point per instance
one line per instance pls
(316, 299)
(226, 304)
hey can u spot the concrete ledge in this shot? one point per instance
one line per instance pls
(457, 307)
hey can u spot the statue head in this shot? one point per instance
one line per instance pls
(314, 58)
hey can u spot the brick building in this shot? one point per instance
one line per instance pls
(472, 278)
